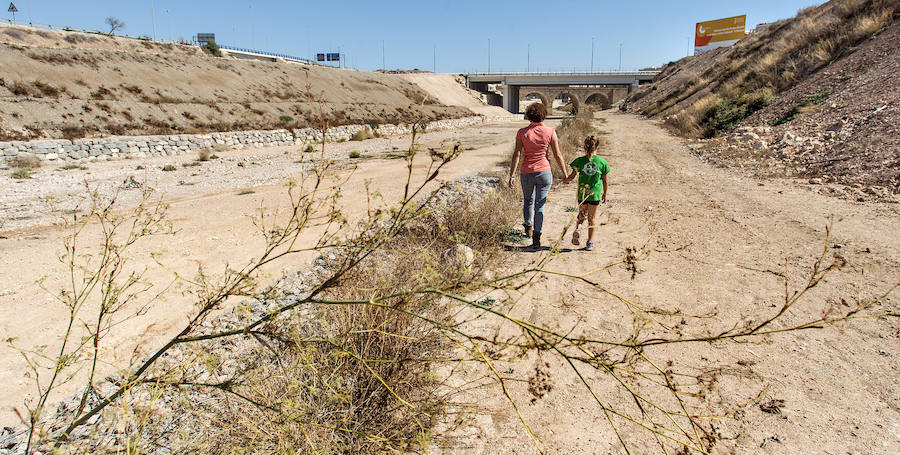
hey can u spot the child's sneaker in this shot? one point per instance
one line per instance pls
(575, 238)
(589, 246)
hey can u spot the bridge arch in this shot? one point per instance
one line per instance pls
(598, 99)
(540, 94)
(573, 97)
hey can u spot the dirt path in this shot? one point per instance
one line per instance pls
(731, 235)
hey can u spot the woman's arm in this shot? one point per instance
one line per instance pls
(514, 163)
(605, 188)
(557, 155)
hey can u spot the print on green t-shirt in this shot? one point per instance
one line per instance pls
(590, 177)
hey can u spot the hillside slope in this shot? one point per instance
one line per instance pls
(816, 96)
(447, 89)
(69, 84)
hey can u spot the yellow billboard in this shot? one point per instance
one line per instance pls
(720, 32)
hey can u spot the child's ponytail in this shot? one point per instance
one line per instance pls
(591, 144)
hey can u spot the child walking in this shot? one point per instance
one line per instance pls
(592, 174)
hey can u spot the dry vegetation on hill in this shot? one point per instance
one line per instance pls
(71, 85)
(816, 96)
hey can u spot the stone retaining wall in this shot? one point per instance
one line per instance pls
(143, 146)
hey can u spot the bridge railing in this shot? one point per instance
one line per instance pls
(270, 54)
(564, 73)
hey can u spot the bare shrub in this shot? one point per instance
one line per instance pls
(204, 154)
(13, 33)
(361, 135)
(28, 161)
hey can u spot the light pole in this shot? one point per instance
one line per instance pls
(153, 19)
(592, 54)
(620, 56)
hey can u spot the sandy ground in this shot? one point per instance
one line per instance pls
(212, 220)
(718, 233)
(838, 384)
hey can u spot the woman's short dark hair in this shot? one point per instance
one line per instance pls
(536, 112)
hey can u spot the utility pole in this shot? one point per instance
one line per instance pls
(592, 54)
(153, 19)
(620, 56)
(489, 55)
(29, 12)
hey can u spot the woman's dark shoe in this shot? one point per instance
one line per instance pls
(527, 230)
(536, 241)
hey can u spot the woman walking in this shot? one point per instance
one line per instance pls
(533, 145)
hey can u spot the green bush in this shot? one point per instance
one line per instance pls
(213, 48)
(726, 114)
(309, 148)
(361, 135)
(354, 154)
(21, 173)
(286, 118)
(169, 168)
(808, 102)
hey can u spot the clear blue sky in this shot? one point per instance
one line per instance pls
(559, 32)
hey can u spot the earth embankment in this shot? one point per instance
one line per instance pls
(59, 84)
(814, 96)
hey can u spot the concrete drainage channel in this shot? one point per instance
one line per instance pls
(144, 146)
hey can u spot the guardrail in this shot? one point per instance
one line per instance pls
(270, 54)
(564, 73)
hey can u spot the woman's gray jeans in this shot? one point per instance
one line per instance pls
(535, 187)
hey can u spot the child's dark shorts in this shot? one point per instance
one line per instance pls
(590, 203)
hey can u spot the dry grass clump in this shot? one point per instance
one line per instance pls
(572, 132)
(357, 378)
(361, 135)
(35, 89)
(25, 161)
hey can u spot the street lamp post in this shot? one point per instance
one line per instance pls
(620, 56)
(153, 19)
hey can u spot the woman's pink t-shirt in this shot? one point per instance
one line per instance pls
(536, 140)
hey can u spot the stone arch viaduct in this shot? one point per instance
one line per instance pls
(603, 89)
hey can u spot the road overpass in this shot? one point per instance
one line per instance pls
(602, 88)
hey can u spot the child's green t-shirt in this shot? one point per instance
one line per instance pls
(590, 177)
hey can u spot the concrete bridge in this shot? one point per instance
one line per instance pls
(601, 88)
